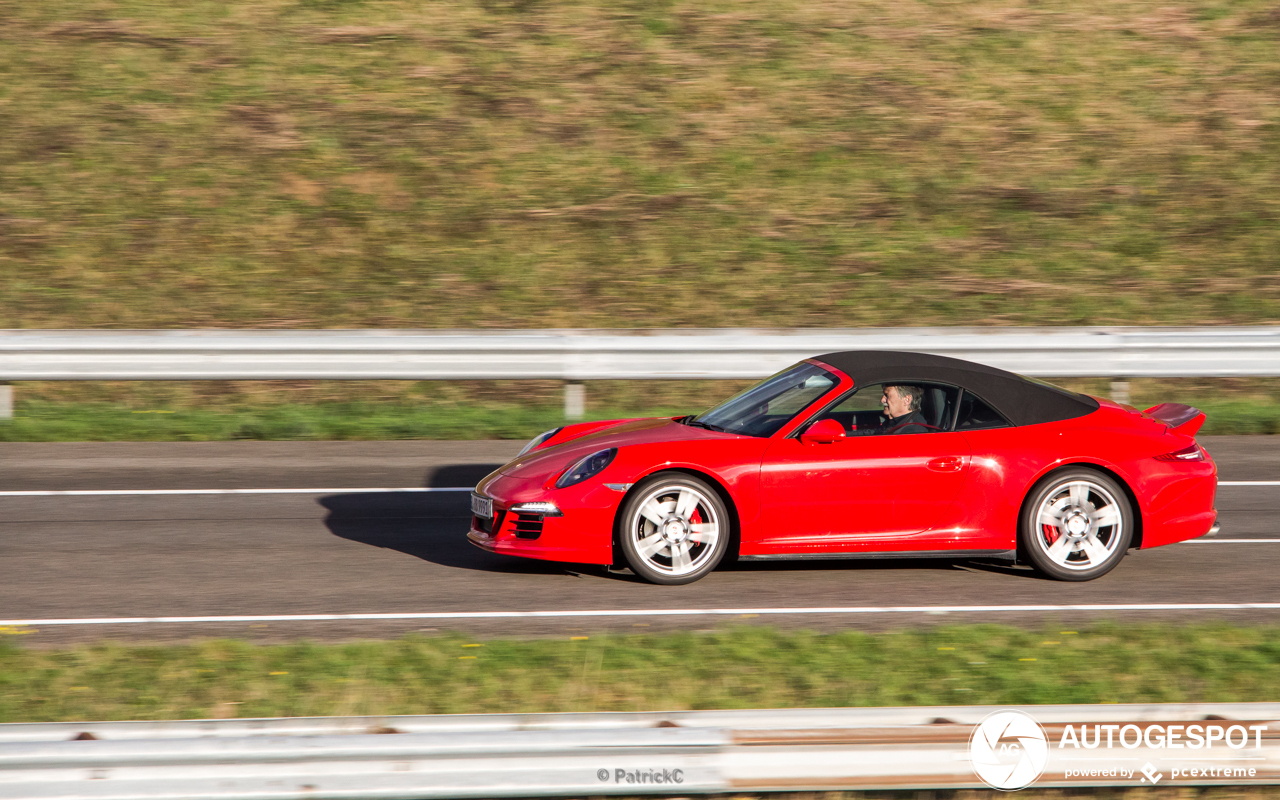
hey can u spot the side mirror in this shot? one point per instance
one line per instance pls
(824, 431)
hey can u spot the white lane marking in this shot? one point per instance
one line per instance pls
(123, 492)
(654, 612)
(348, 490)
(1228, 541)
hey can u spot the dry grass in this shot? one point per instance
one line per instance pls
(333, 163)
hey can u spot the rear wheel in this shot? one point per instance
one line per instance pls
(1077, 525)
(673, 529)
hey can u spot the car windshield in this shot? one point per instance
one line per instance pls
(763, 409)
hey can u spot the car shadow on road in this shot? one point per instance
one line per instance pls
(455, 476)
(431, 526)
(884, 565)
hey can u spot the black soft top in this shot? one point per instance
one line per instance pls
(1022, 401)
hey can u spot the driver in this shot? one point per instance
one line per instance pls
(902, 407)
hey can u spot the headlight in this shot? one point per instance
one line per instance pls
(587, 467)
(537, 440)
(539, 508)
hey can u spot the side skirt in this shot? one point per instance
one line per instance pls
(1006, 555)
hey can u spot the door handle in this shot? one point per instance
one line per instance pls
(946, 464)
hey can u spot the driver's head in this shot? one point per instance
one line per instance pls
(898, 399)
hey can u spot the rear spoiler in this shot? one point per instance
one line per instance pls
(1180, 419)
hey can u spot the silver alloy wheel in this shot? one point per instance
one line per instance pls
(1079, 524)
(675, 529)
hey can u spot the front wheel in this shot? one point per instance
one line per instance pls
(673, 529)
(1077, 525)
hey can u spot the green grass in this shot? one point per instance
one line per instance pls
(381, 163)
(1241, 417)
(744, 667)
(85, 422)
(41, 421)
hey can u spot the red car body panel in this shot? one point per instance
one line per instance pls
(944, 493)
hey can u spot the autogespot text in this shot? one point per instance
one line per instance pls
(1171, 737)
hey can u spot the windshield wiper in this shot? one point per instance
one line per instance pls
(697, 423)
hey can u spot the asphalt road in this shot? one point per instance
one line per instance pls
(343, 552)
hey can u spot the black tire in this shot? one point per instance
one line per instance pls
(667, 543)
(1076, 525)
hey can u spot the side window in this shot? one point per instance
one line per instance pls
(862, 413)
(859, 412)
(976, 415)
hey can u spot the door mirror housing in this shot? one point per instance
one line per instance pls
(824, 431)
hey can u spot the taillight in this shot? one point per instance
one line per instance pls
(1192, 453)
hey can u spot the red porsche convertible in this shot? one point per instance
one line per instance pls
(860, 454)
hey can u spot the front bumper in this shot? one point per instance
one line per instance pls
(582, 534)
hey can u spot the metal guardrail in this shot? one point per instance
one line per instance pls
(547, 755)
(574, 356)
(581, 355)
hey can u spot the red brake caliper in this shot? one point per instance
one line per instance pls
(1050, 533)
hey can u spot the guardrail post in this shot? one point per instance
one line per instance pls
(575, 400)
(1120, 391)
(6, 401)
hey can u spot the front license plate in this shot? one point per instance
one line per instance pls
(481, 506)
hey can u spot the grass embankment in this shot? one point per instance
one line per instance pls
(85, 422)
(737, 668)
(338, 163)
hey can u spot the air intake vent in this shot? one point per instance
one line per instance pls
(488, 524)
(528, 526)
